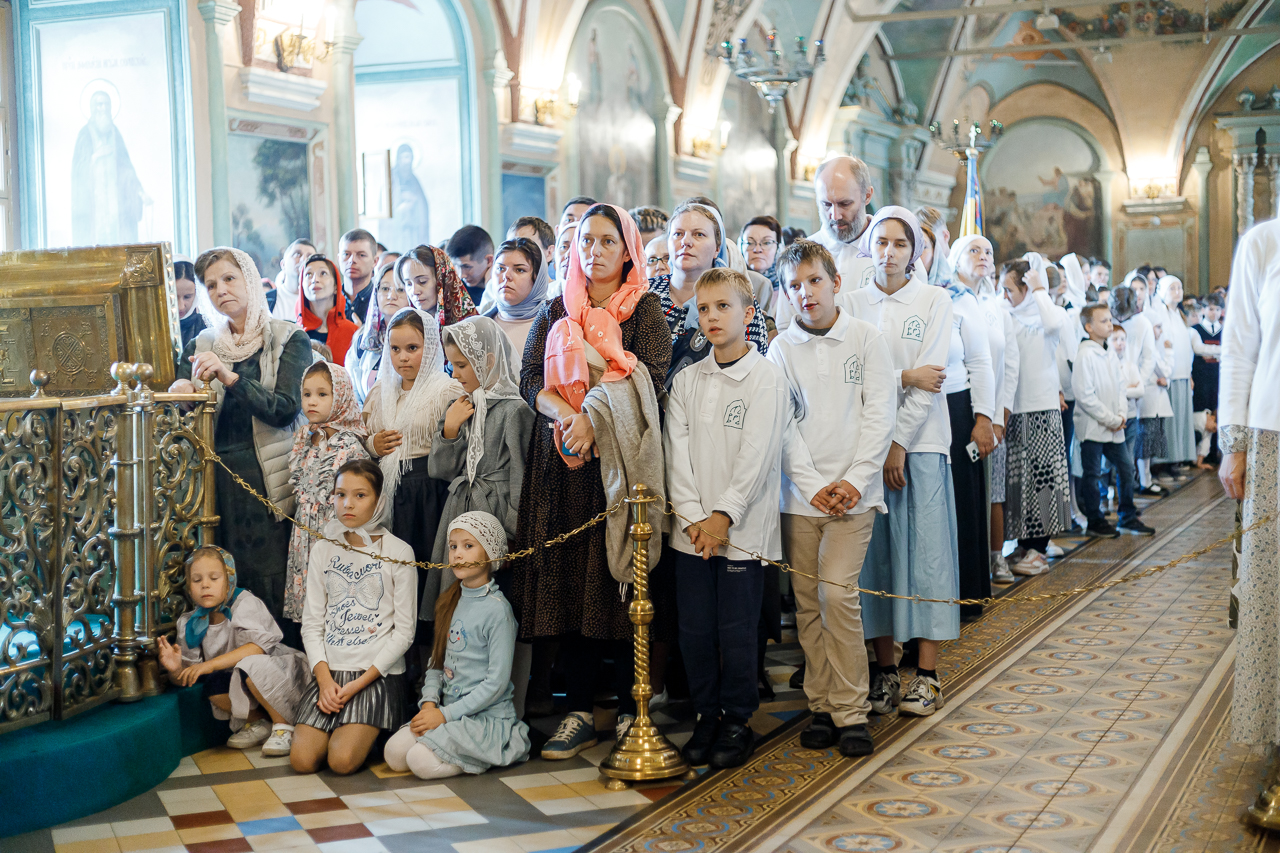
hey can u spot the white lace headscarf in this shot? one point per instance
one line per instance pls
(487, 530)
(227, 345)
(488, 350)
(421, 409)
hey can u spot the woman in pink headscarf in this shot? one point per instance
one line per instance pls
(606, 322)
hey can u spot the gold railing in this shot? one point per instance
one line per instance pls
(102, 498)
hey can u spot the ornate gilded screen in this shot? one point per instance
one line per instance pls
(72, 312)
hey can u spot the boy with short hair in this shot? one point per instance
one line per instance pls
(1102, 407)
(841, 379)
(726, 418)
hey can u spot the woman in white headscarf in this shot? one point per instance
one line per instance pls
(522, 276)
(365, 355)
(1180, 436)
(255, 364)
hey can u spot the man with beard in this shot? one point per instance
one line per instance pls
(106, 196)
(843, 189)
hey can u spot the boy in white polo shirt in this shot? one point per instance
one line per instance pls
(841, 380)
(913, 549)
(726, 419)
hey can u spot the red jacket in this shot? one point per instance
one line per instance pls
(341, 330)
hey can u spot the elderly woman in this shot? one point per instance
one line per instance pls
(569, 592)
(255, 364)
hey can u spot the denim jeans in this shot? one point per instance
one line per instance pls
(1118, 454)
(719, 606)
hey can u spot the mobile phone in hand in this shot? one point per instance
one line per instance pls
(974, 453)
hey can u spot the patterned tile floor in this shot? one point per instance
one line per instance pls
(1067, 740)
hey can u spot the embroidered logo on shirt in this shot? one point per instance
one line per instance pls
(734, 414)
(853, 371)
(367, 591)
(867, 275)
(913, 329)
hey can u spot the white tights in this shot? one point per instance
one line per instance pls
(404, 752)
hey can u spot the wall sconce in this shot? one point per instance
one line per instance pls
(548, 108)
(707, 140)
(1153, 187)
(294, 47)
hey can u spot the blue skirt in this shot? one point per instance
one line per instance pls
(913, 552)
(1179, 430)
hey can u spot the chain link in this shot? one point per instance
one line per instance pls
(669, 509)
(515, 555)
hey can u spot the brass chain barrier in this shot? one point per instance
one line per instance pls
(669, 509)
(515, 555)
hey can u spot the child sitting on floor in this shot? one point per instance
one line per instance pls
(358, 621)
(231, 645)
(467, 722)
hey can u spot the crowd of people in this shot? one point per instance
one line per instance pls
(875, 405)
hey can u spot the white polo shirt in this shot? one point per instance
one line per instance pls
(916, 325)
(723, 443)
(842, 386)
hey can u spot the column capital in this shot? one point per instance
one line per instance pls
(347, 42)
(218, 12)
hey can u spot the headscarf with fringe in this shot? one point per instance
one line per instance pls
(453, 303)
(343, 417)
(227, 345)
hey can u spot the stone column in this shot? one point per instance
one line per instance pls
(664, 148)
(217, 14)
(497, 80)
(1242, 165)
(345, 41)
(1202, 166)
(1273, 168)
(782, 170)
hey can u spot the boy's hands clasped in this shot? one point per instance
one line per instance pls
(837, 498)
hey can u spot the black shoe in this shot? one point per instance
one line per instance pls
(797, 678)
(1102, 530)
(1137, 528)
(820, 733)
(855, 741)
(698, 747)
(1152, 491)
(733, 746)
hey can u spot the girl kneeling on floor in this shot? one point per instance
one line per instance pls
(467, 722)
(232, 646)
(358, 620)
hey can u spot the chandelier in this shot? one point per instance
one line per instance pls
(964, 148)
(771, 74)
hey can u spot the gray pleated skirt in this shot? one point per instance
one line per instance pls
(381, 704)
(1179, 430)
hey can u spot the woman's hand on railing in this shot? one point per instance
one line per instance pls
(183, 386)
(206, 366)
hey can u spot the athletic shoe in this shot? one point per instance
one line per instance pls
(1100, 529)
(886, 691)
(1031, 565)
(620, 728)
(923, 697)
(1137, 528)
(820, 733)
(1053, 551)
(577, 732)
(733, 746)
(855, 741)
(280, 741)
(698, 747)
(661, 700)
(251, 735)
(1000, 572)
(1152, 491)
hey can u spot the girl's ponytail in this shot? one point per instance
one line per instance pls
(445, 605)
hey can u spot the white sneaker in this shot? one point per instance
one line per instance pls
(923, 697)
(1053, 551)
(886, 690)
(1000, 570)
(1031, 565)
(280, 741)
(251, 735)
(621, 727)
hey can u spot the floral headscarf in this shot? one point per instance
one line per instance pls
(453, 303)
(198, 624)
(343, 417)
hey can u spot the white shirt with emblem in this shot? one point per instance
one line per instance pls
(723, 444)
(842, 388)
(916, 324)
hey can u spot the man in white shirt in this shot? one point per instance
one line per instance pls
(841, 379)
(843, 189)
(726, 419)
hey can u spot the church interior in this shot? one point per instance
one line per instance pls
(1092, 691)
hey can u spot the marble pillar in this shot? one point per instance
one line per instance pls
(345, 41)
(1243, 165)
(217, 14)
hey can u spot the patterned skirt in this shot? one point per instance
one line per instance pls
(381, 704)
(1151, 439)
(1037, 491)
(999, 471)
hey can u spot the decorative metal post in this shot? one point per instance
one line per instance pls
(209, 518)
(126, 538)
(644, 753)
(148, 564)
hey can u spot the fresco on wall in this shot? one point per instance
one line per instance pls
(747, 174)
(426, 158)
(1041, 193)
(106, 137)
(270, 196)
(616, 133)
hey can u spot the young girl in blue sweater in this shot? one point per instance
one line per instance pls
(467, 722)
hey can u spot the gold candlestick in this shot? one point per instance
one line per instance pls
(644, 753)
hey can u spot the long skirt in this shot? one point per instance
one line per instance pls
(491, 738)
(1179, 430)
(1151, 438)
(247, 529)
(968, 479)
(415, 515)
(1037, 497)
(1255, 706)
(913, 552)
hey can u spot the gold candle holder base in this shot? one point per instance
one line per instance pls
(643, 755)
(1265, 811)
